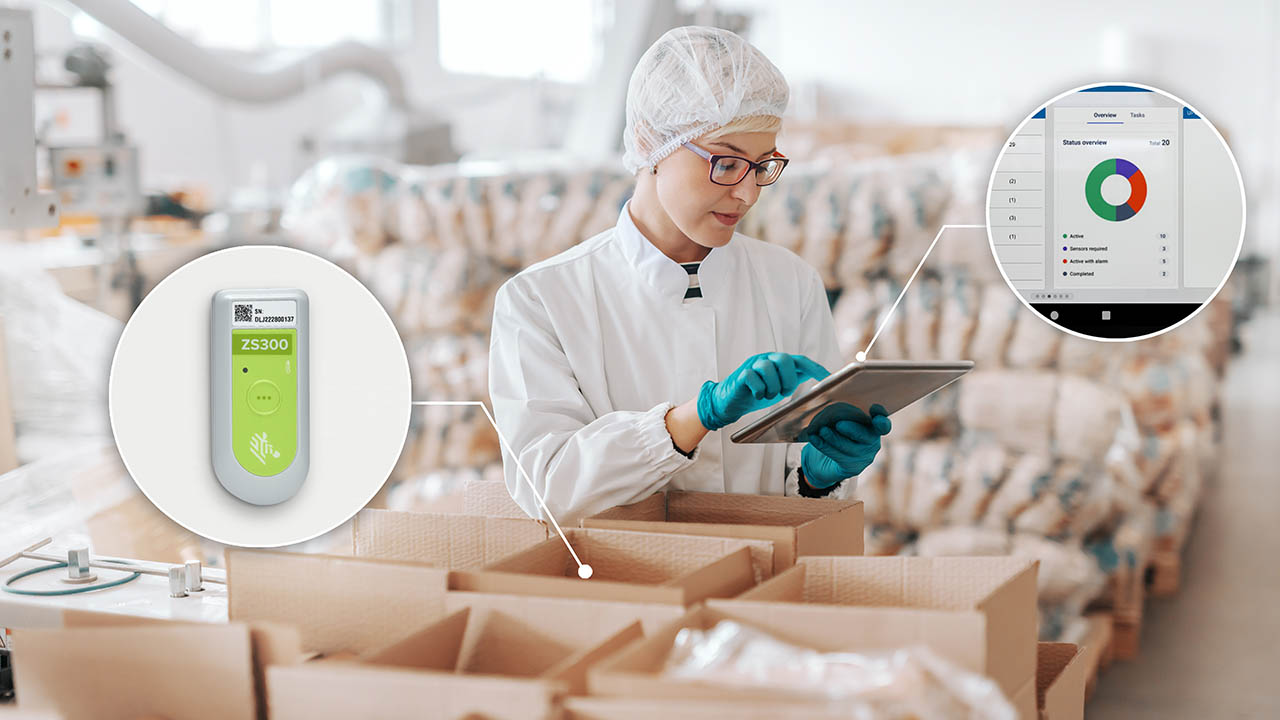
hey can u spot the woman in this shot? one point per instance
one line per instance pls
(622, 366)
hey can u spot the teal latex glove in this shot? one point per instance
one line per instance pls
(843, 448)
(758, 383)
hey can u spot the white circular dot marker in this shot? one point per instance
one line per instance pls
(860, 356)
(584, 571)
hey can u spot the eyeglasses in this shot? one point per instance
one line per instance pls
(730, 169)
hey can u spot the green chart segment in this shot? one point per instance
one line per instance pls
(264, 399)
(1137, 189)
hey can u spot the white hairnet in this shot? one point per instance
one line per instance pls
(690, 82)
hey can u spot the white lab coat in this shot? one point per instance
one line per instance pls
(592, 347)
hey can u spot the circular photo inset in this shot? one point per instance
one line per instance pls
(260, 396)
(1116, 212)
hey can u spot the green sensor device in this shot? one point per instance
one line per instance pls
(260, 392)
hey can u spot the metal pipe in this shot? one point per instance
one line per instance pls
(230, 81)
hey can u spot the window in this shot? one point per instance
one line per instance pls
(263, 25)
(557, 39)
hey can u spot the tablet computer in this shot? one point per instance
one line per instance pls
(849, 391)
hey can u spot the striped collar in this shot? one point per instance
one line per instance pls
(667, 276)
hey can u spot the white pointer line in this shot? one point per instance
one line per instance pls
(520, 467)
(888, 316)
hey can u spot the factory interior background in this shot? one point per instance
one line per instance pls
(459, 142)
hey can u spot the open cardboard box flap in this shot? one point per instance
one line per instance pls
(476, 661)
(338, 603)
(796, 526)
(128, 670)
(1060, 681)
(627, 566)
(440, 539)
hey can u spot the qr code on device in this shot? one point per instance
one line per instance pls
(244, 313)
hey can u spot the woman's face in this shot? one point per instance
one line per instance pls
(705, 212)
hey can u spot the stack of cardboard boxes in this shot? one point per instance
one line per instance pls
(456, 615)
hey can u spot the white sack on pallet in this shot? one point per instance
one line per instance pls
(343, 206)
(824, 218)
(1014, 406)
(933, 415)
(1028, 478)
(1033, 343)
(933, 484)
(867, 233)
(920, 314)
(1152, 386)
(996, 314)
(872, 490)
(59, 356)
(981, 470)
(1097, 504)
(1066, 571)
(963, 541)
(854, 316)
(898, 479)
(958, 315)
(1050, 513)
(1086, 418)
(784, 218)
(889, 344)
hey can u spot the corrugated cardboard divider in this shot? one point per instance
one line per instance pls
(474, 662)
(796, 526)
(337, 603)
(442, 540)
(128, 671)
(944, 601)
(578, 620)
(1060, 681)
(628, 566)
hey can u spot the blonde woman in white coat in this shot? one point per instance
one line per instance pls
(622, 366)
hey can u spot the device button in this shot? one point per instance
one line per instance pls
(264, 397)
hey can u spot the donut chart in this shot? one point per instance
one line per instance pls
(1137, 189)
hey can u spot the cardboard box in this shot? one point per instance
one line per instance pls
(442, 540)
(796, 526)
(1059, 696)
(594, 616)
(476, 662)
(149, 669)
(627, 566)
(489, 498)
(337, 603)
(1060, 680)
(978, 612)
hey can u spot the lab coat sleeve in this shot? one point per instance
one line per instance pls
(818, 342)
(579, 464)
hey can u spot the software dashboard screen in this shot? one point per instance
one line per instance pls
(1116, 211)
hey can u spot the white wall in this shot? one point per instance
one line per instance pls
(995, 61)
